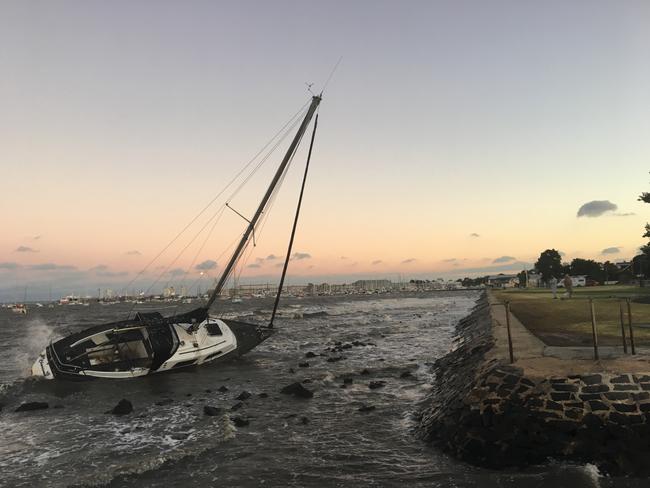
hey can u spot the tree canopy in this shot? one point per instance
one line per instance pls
(549, 264)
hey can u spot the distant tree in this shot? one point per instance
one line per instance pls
(640, 265)
(588, 267)
(549, 264)
(610, 271)
(645, 249)
(522, 279)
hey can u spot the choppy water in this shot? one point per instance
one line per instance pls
(321, 442)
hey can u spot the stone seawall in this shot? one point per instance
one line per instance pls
(489, 413)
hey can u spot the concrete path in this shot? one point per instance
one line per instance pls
(538, 359)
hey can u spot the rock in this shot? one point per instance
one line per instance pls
(365, 372)
(244, 395)
(334, 359)
(30, 406)
(297, 390)
(292, 371)
(303, 365)
(165, 401)
(180, 436)
(222, 389)
(236, 406)
(123, 407)
(240, 421)
(188, 395)
(366, 408)
(304, 420)
(373, 385)
(620, 379)
(58, 405)
(310, 354)
(208, 390)
(212, 411)
(347, 381)
(263, 395)
(406, 375)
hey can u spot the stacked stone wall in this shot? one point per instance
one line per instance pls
(490, 414)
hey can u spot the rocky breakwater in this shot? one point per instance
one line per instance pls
(492, 414)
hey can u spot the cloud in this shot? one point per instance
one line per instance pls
(206, 265)
(36, 238)
(450, 260)
(111, 274)
(99, 267)
(611, 250)
(626, 214)
(271, 257)
(25, 249)
(596, 208)
(9, 266)
(409, 260)
(51, 267)
(177, 271)
(300, 255)
(504, 259)
(133, 253)
(377, 261)
(474, 234)
(253, 265)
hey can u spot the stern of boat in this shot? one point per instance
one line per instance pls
(248, 335)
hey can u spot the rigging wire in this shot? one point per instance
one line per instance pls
(220, 211)
(195, 218)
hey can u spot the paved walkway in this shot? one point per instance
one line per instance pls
(538, 359)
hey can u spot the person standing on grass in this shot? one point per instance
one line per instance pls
(568, 284)
(553, 283)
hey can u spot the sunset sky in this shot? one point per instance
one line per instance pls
(455, 138)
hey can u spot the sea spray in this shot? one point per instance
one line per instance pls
(37, 335)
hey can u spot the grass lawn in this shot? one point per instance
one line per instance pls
(568, 322)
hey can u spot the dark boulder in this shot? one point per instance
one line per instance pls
(212, 411)
(165, 401)
(244, 395)
(366, 408)
(303, 365)
(29, 406)
(240, 421)
(223, 389)
(304, 420)
(334, 359)
(310, 355)
(297, 390)
(373, 385)
(263, 395)
(406, 375)
(123, 407)
(236, 406)
(365, 372)
(347, 381)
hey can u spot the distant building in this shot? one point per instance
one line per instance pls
(577, 280)
(624, 265)
(372, 285)
(534, 279)
(503, 281)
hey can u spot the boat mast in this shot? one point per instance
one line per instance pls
(295, 225)
(260, 209)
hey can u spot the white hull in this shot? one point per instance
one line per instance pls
(195, 346)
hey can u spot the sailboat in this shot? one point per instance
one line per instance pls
(150, 343)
